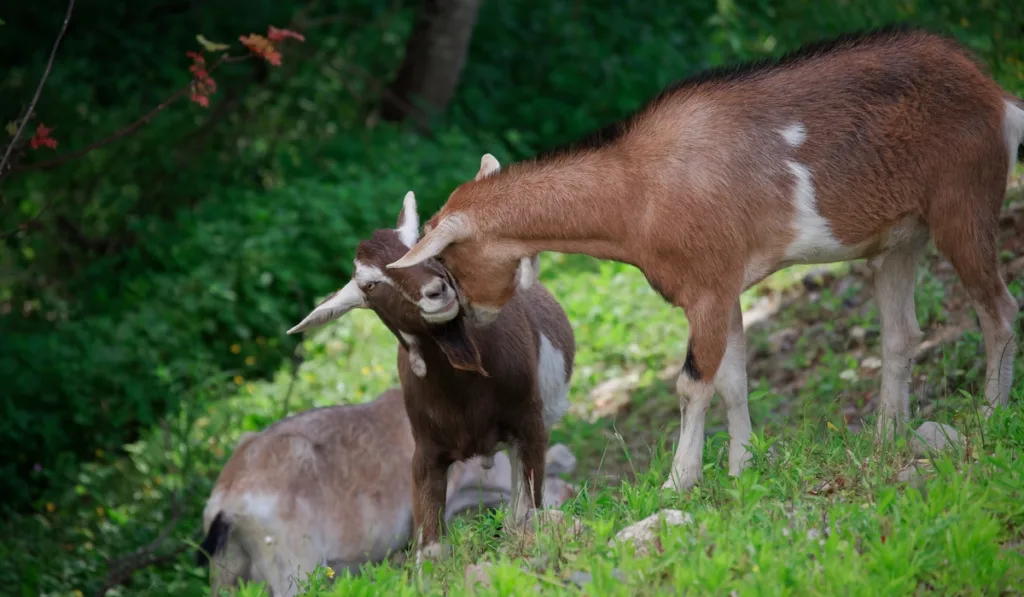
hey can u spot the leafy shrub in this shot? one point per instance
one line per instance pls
(214, 290)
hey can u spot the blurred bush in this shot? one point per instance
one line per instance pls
(182, 253)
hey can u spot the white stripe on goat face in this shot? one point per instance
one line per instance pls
(371, 274)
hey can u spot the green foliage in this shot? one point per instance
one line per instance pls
(763, 532)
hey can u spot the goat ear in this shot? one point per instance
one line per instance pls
(528, 272)
(449, 230)
(333, 307)
(458, 344)
(488, 165)
(408, 221)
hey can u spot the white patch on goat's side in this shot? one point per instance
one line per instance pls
(408, 228)
(416, 362)
(813, 241)
(1013, 131)
(794, 134)
(554, 387)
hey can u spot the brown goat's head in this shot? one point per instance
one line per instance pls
(489, 271)
(412, 302)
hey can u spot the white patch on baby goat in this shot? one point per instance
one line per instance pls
(554, 387)
(1013, 130)
(416, 362)
(794, 134)
(370, 274)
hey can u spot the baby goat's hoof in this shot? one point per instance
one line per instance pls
(433, 552)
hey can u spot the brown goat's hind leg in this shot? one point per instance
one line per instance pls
(709, 317)
(970, 244)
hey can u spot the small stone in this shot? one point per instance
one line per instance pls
(859, 334)
(871, 363)
(913, 474)
(644, 533)
(478, 574)
(848, 375)
(933, 437)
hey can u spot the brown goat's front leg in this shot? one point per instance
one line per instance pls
(429, 484)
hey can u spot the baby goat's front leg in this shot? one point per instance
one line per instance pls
(429, 485)
(527, 459)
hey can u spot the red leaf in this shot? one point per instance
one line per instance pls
(278, 35)
(42, 138)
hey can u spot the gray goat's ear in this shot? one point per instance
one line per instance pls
(528, 272)
(338, 304)
(409, 221)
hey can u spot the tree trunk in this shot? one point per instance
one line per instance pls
(434, 57)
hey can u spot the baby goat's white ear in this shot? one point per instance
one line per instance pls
(409, 221)
(488, 165)
(333, 307)
(529, 271)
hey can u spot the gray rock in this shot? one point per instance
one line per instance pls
(643, 533)
(933, 437)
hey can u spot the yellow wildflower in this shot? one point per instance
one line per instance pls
(236, 348)
(239, 380)
(756, 568)
(250, 388)
(50, 507)
(330, 572)
(250, 360)
(365, 371)
(78, 593)
(830, 426)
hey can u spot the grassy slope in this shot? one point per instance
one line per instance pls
(824, 514)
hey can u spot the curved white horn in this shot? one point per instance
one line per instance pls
(333, 307)
(408, 221)
(450, 230)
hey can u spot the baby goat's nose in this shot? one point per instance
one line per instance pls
(435, 290)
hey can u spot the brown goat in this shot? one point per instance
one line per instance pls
(862, 147)
(333, 486)
(467, 391)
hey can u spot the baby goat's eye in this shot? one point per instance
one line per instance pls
(369, 287)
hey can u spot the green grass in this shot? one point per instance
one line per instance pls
(956, 531)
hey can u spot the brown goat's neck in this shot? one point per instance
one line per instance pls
(570, 204)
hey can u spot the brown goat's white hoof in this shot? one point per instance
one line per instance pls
(682, 481)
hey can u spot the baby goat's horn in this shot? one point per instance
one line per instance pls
(451, 229)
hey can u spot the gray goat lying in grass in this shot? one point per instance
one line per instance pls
(333, 486)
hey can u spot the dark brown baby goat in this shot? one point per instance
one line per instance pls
(468, 391)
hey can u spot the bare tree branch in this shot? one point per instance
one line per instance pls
(131, 128)
(39, 88)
